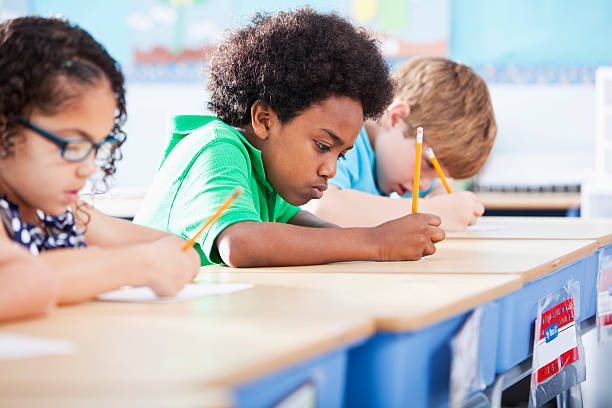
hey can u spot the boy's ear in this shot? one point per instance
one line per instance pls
(396, 113)
(261, 119)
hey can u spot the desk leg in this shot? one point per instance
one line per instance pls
(571, 398)
(505, 380)
(478, 400)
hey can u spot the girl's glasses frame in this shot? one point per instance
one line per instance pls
(76, 150)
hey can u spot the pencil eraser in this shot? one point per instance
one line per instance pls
(419, 137)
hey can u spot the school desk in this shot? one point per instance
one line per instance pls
(260, 345)
(120, 206)
(560, 228)
(149, 398)
(558, 202)
(543, 265)
(407, 363)
(539, 228)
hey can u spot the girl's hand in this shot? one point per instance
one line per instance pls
(170, 268)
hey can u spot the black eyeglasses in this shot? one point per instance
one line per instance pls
(75, 150)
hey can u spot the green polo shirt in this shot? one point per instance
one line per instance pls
(204, 162)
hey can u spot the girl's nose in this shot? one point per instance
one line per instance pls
(87, 167)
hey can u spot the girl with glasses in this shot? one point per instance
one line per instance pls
(62, 108)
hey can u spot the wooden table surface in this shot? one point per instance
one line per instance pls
(529, 201)
(117, 206)
(396, 302)
(539, 228)
(530, 259)
(177, 349)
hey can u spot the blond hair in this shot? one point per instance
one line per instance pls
(453, 105)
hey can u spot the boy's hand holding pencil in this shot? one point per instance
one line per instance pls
(408, 238)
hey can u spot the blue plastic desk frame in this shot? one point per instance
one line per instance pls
(400, 369)
(326, 372)
(413, 368)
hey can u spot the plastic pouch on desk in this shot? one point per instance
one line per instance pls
(558, 355)
(604, 296)
(465, 375)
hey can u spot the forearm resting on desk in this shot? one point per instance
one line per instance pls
(88, 272)
(277, 244)
(28, 288)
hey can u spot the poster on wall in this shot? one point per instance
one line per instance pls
(171, 40)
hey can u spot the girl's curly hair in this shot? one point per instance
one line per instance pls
(41, 61)
(291, 60)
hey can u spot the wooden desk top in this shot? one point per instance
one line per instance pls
(150, 398)
(396, 302)
(176, 349)
(529, 201)
(530, 259)
(116, 206)
(540, 228)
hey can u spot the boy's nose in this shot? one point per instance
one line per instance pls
(328, 169)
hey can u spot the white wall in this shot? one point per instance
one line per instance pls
(149, 108)
(546, 134)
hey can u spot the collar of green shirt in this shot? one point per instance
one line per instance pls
(183, 125)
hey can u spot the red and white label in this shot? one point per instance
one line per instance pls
(604, 299)
(557, 344)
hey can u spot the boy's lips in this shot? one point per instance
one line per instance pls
(401, 190)
(317, 191)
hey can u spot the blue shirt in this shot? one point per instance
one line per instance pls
(358, 170)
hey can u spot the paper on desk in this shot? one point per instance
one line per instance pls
(14, 346)
(483, 228)
(361, 262)
(191, 291)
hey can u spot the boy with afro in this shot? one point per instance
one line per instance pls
(290, 92)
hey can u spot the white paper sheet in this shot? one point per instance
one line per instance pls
(14, 346)
(484, 228)
(191, 291)
(361, 262)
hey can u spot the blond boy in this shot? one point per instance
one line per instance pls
(453, 105)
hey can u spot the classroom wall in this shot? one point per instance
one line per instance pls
(551, 128)
(546, 135)
(539, 59)
(149, 107)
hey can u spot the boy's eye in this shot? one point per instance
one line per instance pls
(342, 156)
(322, 147)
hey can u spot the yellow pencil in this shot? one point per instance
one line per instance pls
(417, 170)
(431, 156)
(216, 215)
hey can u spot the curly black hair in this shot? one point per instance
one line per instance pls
(39, 59)
(291, 60)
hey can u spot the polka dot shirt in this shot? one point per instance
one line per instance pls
(60, 230)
